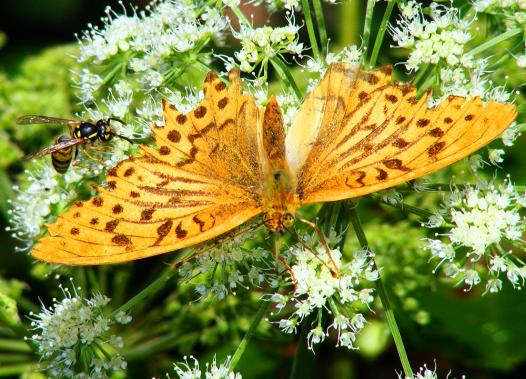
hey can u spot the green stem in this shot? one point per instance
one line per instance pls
(284, 72)
(16, 370)
(14, 345)
(158, 344)
(248, 335)
(6, 192)
(303, 359)
(389, 314)
(240, 16)
(421, 74)
(427, 84)
(153, 287)
(494, 41)
(366, 35)
(320, 20)
(310, 28)
(407, 208)
(381, 33)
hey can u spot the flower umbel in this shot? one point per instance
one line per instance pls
(480, 221)
(324, 281)
(73, 334)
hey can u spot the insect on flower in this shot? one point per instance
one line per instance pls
(228, 161)
(82, 133)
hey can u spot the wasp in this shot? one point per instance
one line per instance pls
(81, 133)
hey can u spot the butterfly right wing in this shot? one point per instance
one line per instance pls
(203, 179)
(56, 147)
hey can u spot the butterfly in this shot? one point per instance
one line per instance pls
(228, 161)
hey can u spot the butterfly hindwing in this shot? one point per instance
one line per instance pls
(195, 185)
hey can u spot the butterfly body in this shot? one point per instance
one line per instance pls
(228, 161)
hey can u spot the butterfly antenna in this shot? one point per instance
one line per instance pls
(313, 252)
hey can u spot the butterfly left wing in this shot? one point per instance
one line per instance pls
(201, 180)
(365, 134)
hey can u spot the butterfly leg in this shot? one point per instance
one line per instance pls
(313, 252)
(275, 249)
(336, 271)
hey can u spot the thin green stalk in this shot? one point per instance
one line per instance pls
(320, 20)
(14, 345)
(407, 208)
(6, 192)
(421, 74)
(284, 72)
(310, 28)
(248, 335)
(427, 85)
(381, 33)
(16, 370)
(152, 288)
(303, 358)
(495, 41)
(389, 314)
(366, 35)
(158, 344)
(240, 16)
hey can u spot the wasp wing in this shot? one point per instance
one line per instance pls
(36, 119)
(56, 147)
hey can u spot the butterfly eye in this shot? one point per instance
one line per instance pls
(288, 220)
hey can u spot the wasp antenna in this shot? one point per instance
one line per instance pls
(116, 119)
(125, 138)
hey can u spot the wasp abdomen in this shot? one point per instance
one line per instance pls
(61, 159)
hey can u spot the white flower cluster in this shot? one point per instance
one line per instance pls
(513, 12)
(325, 282)
(227, 265)
(212, 371)
(73, 334)
(259, 45)
(34, 202)
(479, 222)
(441, 40)
(425, 373)
(148, 42)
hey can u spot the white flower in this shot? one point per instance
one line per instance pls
(261, 44)
(480, 220)
(65, 334)
(212, 371)
(322, 280)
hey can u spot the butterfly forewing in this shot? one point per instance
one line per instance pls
(195, 185)
(375, 135)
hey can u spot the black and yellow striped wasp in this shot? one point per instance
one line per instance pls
(82, 133)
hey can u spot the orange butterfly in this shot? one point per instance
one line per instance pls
(228, 161)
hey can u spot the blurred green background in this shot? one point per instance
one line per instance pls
(479, 336)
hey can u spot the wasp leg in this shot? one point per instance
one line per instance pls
(101, 148)
(324, 243)
(88, 155)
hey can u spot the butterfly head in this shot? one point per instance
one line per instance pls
(278, 221)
